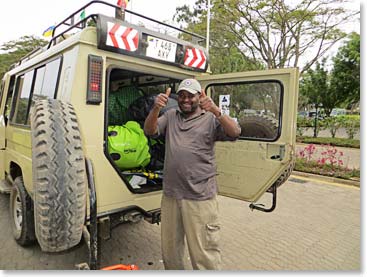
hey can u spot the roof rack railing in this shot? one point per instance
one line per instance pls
(81, 24)
(27, 56)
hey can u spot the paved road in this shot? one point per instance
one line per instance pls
(316, 226)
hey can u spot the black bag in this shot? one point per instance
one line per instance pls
(140, 108)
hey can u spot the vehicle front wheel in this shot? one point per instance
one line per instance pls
(21, 212)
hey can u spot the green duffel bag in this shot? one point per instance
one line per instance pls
(128, 146)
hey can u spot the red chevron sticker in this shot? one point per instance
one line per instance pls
(122, 37)
(195, 58)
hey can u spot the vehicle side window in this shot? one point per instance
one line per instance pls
(256, 106)
(45, 82)
(1, 90)
(22, 93)
(49, 84)
(40, 83)
(8, 98)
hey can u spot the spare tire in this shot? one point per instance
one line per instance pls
(58, 167)
(256, 126)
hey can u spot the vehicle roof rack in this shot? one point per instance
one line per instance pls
(28, 56)
(81, 24)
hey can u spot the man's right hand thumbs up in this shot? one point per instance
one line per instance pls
(162, 99)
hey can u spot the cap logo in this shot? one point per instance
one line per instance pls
(187, 82)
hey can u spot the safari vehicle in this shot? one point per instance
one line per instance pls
(72, 152)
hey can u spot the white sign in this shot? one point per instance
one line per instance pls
(161, 49)
(224, 102)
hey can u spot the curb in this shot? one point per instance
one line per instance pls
(355, 183)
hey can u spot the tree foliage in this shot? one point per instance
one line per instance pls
(337, 88)
(225, 53)
(345, 76)
(277, 33)
(14, 50)
(315, 85)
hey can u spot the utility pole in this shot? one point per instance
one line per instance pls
(208, 27)
(315, 123)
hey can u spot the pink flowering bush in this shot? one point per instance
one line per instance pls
(331, 156)
(307, 152)
(329, 162)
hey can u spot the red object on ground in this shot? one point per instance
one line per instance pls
(121, 267)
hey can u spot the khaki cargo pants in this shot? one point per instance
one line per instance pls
(198, 222)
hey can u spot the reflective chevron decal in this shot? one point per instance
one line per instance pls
(122, 37)
(195, 58)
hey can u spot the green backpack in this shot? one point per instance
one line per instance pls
(128, 146)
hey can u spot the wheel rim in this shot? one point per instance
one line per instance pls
(17, 211)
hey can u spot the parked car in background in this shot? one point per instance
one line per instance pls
(320, 114)
(338, 111)
(311, 114)
(303, 113)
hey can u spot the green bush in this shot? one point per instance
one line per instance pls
(355, 117)
(304, 122)
(343, 142)
(351, 123)
(333, 124)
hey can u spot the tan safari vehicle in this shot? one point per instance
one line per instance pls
(73, 155)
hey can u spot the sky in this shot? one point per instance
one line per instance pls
(32, 17)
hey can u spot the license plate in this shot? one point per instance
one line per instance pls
(161, 49)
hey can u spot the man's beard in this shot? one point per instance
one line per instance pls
(189, 111)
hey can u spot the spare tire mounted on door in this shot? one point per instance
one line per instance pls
(58, 175)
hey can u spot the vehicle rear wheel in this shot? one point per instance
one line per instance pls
(21, 213)
(58, 176)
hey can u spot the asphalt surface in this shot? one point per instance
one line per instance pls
(316, 226)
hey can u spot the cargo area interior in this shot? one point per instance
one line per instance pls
(137, 158)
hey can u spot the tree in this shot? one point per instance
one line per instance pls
(315, 85)
(345, 76)
(276, 32)
(318, 88)
(16, 49)
(225, 55)
(229, 59)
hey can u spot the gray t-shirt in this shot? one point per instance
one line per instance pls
(189, 165)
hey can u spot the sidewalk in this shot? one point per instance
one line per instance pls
(351, 157)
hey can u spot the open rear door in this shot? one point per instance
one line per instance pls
(264, 103)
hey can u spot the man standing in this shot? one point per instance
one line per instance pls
(189, 203)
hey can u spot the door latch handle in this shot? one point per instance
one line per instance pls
(275, 157)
